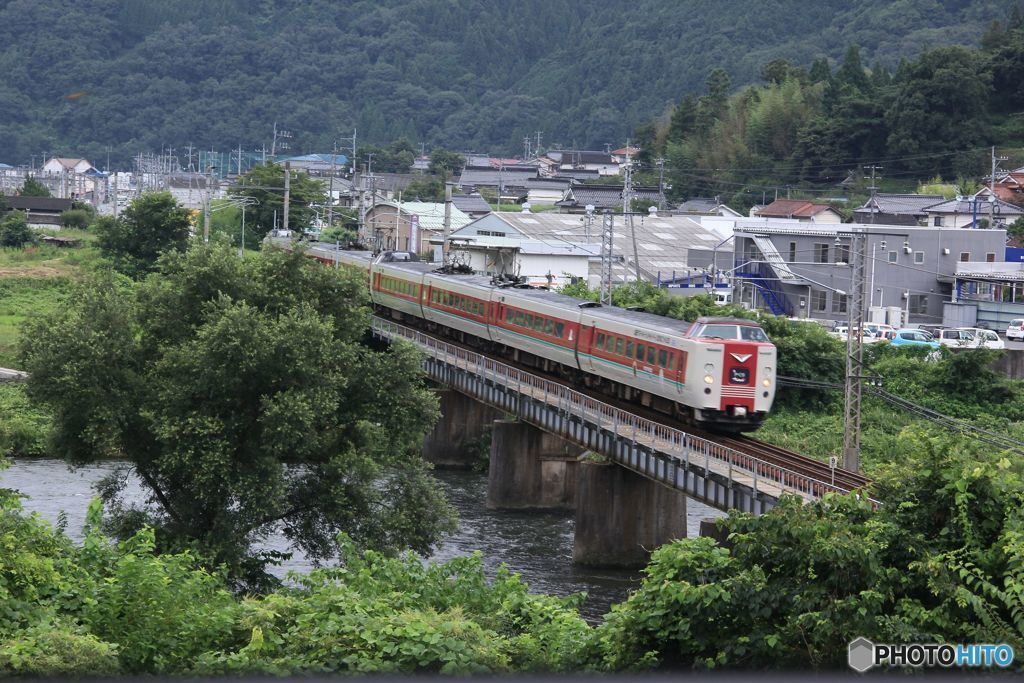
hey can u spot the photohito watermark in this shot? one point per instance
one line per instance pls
(864, 654)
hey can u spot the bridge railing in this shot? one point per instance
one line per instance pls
(684, 447)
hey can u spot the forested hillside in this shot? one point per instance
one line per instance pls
(79, 78)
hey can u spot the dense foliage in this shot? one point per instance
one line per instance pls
(466, 75)
(242, 394)
(152, 224)
(816, 124)
(942, 560)
(102, 609)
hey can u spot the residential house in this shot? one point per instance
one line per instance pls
(473, 205)
(74, 178)
(408, 226)
(474, 178)
(897, 209)
(41, 212)
(801, 210)
(605, 197)
(620, 155)
(707, 206)
(587, 160)
(386, 186)
(1009, 186)
(540, 190)
(965, 212)
(802, 269)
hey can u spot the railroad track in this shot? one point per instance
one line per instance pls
(795, 462)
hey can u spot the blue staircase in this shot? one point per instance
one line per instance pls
(764, 280)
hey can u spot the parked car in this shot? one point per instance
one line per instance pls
(878, 330)
(913, 337)
(985, 339)
(957, 338)
(1015, 330)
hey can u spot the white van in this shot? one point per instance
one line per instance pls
(985, 339)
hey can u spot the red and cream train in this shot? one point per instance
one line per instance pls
(717, 372)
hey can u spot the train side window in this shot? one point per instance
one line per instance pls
(519, 318)
(600, 340)
(549, 327)
(663, 358)
(559, 329)
(651, 352)
(629, 349)
(641, 351)
(538, 324)
(618, 345)
(510, 315)
(529, 320)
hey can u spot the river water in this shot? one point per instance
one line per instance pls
(538, 546)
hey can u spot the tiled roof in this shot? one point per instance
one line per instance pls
(792, 208)
(900, 204)
(965, 205)
(471, 203)
(605, 196)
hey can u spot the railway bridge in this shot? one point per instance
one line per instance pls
(629, 491)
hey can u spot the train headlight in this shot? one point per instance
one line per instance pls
(708, 379)
(766, 382)
(709, 368)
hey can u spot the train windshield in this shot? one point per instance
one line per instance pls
(720, 331)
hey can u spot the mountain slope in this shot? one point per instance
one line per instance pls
(79, 78)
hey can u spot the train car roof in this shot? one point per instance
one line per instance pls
(649, 320)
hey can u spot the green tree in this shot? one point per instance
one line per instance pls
(14, 230)
(427, 188)
(151, 225)
(265, 183)
(241, 394)
(445, 163)
(1015, 230)
(34, 188)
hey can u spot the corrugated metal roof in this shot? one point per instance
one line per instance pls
(900, 204)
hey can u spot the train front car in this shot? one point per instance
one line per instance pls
(735, 363)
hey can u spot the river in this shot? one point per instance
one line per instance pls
(538, 546)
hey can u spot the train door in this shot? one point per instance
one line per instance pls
(585, 344)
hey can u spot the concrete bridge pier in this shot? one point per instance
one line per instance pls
(457, 438)
(530, 469)
(621, 516)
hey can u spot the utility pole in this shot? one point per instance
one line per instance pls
(660, 161)
(287, 190)
(284, 135)
(854, 351)
(627, 209)
(447, 219)
(208, 205)
(607, 243)
(239, 160)
(992, 189)
(330, 191)
(873, 188)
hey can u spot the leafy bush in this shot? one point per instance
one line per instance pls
(75, 218)
(24, 427)
(14, 230)
(45, 650)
